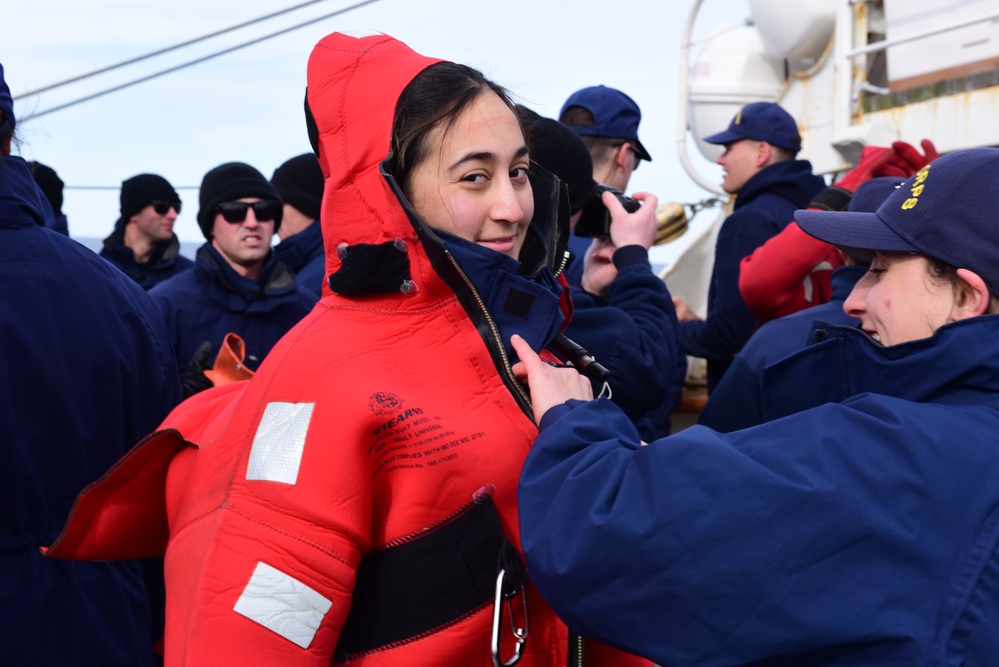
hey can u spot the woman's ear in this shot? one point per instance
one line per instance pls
(976, 296)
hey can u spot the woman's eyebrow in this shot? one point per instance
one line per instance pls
(484, 156)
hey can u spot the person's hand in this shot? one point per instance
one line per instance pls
(683, 311)
(638, 228)
(871, 163)
(193, 379)
(907, 159)
(550, 385)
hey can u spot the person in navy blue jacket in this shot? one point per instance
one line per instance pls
(87, 371)
(237, 284)
(143, 244)
(606, 120)
(859, 526)
(51, 186)
(734, 403)
(622, 312)
(760, 167)
(300, 183)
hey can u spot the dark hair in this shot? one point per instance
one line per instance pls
(782, 153)
(601, 149)
(435, 97)
(946, 273)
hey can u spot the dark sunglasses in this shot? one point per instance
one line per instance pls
(634, 151)
(264, 210)
(163, 207)
(637, 157)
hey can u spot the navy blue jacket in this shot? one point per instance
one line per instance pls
(577, 245)
(87, 371)
(735, 402)
(165, 260)
(304, 254)
(765, 205)
(205, 304)
(861, 531)
(632, 331)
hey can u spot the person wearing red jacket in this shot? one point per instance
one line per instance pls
(355, 501)
(792, 271)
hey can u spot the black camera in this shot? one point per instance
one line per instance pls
(595, 219)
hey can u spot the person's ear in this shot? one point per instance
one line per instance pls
(763, 154)
(621, 156)
(975, 296)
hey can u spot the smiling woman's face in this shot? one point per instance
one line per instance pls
(473, 182)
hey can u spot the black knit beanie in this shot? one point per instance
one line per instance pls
(137, 192)
(229, 182)
(49, 183)
(557, 148)
(300, 183)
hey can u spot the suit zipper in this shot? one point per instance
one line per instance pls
(497, 338)
(426, 529)
(577, 657)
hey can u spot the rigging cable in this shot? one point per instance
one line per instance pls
(193, 62)
(168, 49)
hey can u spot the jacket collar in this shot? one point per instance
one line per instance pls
(791, 179)
(275, 277)
(298, 250)
(21, 201)
(957, 365)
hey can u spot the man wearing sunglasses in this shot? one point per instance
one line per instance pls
(237, 285)
(143, 244)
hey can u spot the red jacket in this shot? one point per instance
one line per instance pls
(371, 429)
(788, 273)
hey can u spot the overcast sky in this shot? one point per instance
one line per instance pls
(247, 105)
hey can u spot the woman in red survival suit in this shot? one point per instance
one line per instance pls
(355, 500)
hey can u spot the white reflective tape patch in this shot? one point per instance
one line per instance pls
(283, 605)
(277, 447)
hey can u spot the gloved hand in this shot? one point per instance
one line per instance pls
(871, 163)
(193, 378)
(50, 184)
(907, 160)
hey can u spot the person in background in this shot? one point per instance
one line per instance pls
(760, 167)
(87, 371)
(792, 270)
(355, 501)
(735, 402)
(237, 285)
(299, 181)
(622, 312)
(51, 186)
(859, 525)
(143, 244)
(607, 121)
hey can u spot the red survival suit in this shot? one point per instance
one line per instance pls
(372, 461)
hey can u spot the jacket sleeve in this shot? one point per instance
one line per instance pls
(264, 574)
(633, 333)
(772, 278)
(729, 323)
(735, 402)
(708, 548)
